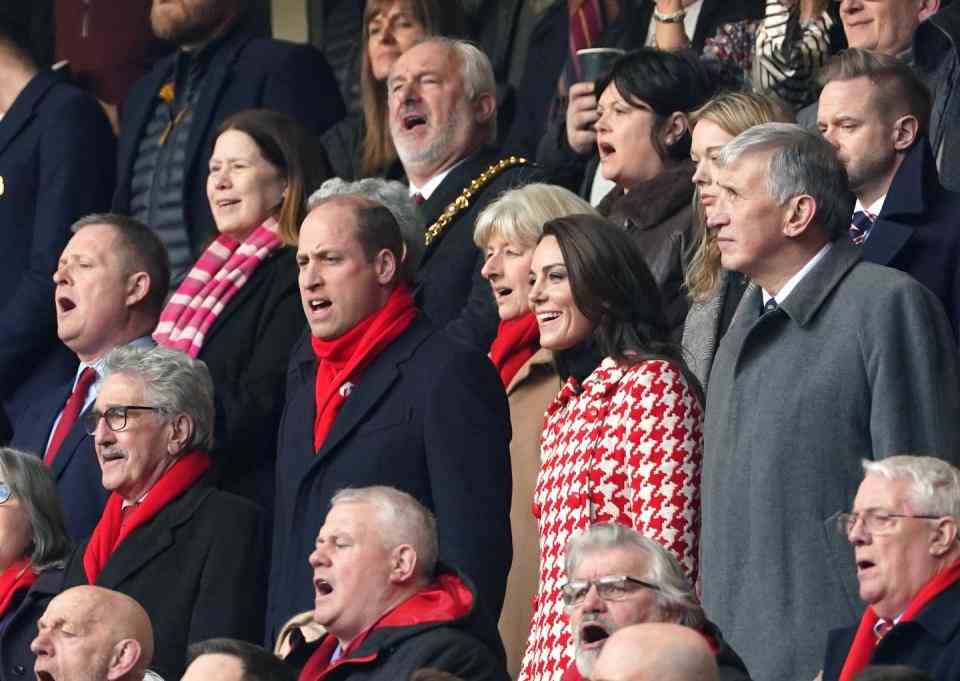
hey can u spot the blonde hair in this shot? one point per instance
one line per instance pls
(734, 112)
(518, 215)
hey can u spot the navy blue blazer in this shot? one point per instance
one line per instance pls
(56, 165)
(75, 470)
(428, 416)
(245, 73)
(918, 230)
(929, 642)
(449, 288)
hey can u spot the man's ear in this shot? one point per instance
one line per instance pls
(385, 264)
(485, 107)
(798, 215)
(182, 432)
(403, 563)
(927, 9)
(138, 286)
(905, 132)
(123, 658)
(944, 537)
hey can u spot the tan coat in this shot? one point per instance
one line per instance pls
(529, 393)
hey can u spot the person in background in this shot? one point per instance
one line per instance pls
(33, 547)
(238, 308)
(227, 659)
(642, 138)
(714, 293)
(622, 441)
(360, 145)
(57, 164)
(173, 114)
(656, 652)
(507, 232)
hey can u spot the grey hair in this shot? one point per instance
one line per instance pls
(801, 162)
(30, 482)
(934, 483)
(401, 520)
(476, 72)
(518, 215)
(392, 195)
(174, 382)
(675, 596)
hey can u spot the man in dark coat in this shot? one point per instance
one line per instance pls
(904, 533)
(193, 556)
(616, 578)
(57, 156)
(876, 113)
(829, 360)
(441, 133)
(111, 282)
(387, 606)
(377, 395)
(171, 116)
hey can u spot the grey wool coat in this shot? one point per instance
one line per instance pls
(858, 362)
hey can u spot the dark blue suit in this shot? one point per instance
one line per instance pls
(245, 73)
(75, 470)
(56, 165)
(918, 230)
(428, 416)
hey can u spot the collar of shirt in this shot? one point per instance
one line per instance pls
(873, 209)
(431, 185)
(792, 282)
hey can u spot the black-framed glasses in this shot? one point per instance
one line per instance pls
(116, 417)
(875, 521)
(610, 588)
(5, 492)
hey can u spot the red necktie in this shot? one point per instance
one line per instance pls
(71, 410)
(418, 199)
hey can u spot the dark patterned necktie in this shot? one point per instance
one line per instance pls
(860, 227)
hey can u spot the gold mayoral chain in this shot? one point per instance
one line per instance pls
(462, 202)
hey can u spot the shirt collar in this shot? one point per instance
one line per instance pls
(873, 209)
(792, 282)
(431, 185)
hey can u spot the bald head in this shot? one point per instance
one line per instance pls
(88, 633)
(656, 652)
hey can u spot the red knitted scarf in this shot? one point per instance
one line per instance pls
(17, 577)
(342, 359)
(517, 340)
(865, 640)
(214, 280)
(110, 532)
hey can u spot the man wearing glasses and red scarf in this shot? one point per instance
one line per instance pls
(903, 529)
(193, 556)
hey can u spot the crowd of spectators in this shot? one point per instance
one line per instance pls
(545, 340)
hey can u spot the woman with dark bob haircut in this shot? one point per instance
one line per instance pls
(33, 548)
(622, 441)
(643, 138)
(238, 309)
(360, 145)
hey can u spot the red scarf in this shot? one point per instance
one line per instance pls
(17, 577)
(344, 358)
(110, 533)
(214, 280)
(516, 342)
(865, 640)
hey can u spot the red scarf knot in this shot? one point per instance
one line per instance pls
(17, 577)
(517, 340)
(340, 361)
(112, 528)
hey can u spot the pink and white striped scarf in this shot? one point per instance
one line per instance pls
(218, 274)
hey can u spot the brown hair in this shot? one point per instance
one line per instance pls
(293, 151)
(734, 112)
(438, 17)
(613, 288)
(898, 91)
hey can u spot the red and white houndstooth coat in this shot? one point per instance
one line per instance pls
(626, 448)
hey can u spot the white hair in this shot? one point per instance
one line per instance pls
(934, 484)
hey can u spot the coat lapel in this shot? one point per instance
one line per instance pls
(23, 106)
(152, 539)
(138, 114)
(886, 240)
(68, 449)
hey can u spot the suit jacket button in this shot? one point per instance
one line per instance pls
(19, 670)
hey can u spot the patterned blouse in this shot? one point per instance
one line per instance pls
(625, 447)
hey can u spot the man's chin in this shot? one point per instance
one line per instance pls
(585, 660)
